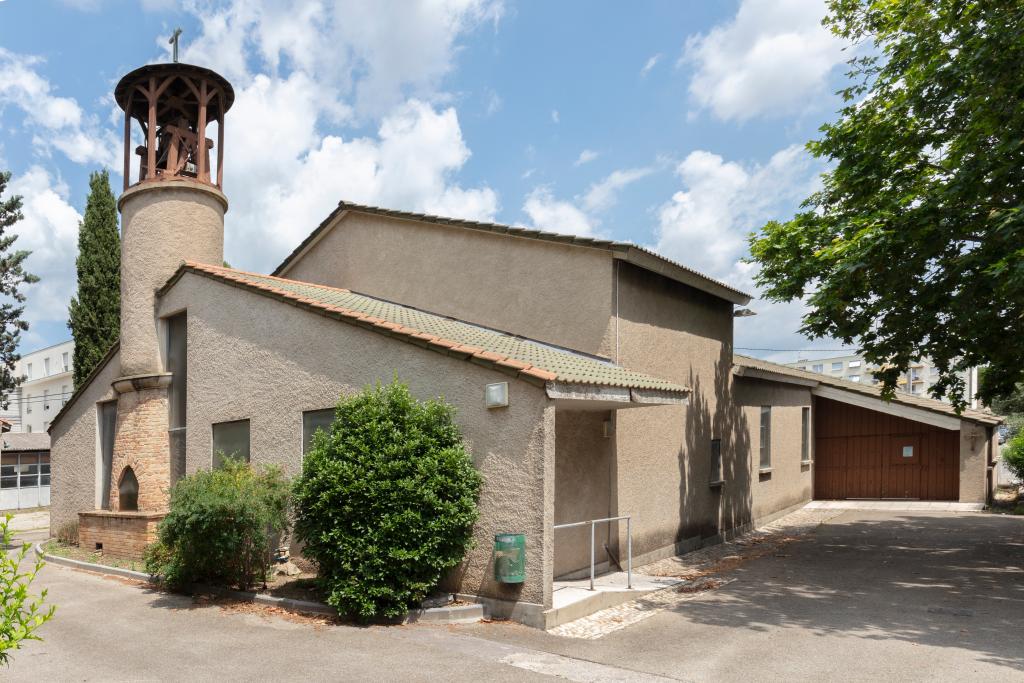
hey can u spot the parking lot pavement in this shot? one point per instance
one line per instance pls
(868, 595)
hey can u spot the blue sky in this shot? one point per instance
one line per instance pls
(677, 125)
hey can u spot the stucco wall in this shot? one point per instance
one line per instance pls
(975, 447)
(663, 453)
(256, 358)
(163, 224)
(73, 451)
(583, 486)
(547, 291)
(790, 482)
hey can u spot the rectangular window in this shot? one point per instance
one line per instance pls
(65, 361)
(177, 365)
(9, 471)
(46, 367)
(108, 420)
(854, 378)
(46, 399)
(805, 434)
(312, 420)
(716, 461)
(837, 366)
(854, 364)
(64, 394)
(28, 403)
(230, 439)
(44, 469)
(28, 371)
(766, 437)
(818, 368)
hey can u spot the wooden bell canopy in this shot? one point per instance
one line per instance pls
(173, 104)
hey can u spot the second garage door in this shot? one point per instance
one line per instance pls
(862, 453)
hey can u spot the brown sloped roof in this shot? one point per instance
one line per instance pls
(929, 404)
(525, 358)
(637, 255)
(24, 441)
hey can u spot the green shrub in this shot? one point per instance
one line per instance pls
(386, 502)
(220, 526)
(1013, 455)
(20, 613)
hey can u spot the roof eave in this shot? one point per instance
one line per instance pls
(661, 266)
(619, 397)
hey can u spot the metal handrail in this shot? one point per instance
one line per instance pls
(629, 543)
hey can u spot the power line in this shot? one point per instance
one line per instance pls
(749, 348)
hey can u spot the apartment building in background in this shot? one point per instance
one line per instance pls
(47, 386)
(917, 380)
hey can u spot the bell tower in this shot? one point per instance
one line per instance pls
(172, 212)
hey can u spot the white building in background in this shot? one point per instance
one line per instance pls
(46, 388)
(917, 379)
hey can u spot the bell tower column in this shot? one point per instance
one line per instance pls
(173, 212)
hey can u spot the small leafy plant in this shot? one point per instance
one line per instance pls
(386, 502)
(20, 614)
(220, 526)
(1013, 455)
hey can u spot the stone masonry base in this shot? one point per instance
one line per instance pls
(118, 534)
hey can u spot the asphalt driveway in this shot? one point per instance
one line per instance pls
(867, 596)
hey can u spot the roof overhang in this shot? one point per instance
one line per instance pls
(888, 407)
(756, 373)
(596, 397)
(648, 261)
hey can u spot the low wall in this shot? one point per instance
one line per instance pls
(118, 534)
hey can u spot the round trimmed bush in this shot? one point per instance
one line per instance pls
(220, 526)
(386, 502)
(1013, 455)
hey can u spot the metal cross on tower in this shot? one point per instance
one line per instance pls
(174, 41)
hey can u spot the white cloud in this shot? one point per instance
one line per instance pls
(578, 217)
(555, 215)
(555, 116)
(603, 194)
(705, 225)
(707, 222)
(650, 64)
(50, 231)
(378, 54)
(585, 157)
(773, 58)
(55, 121)
(408, 165)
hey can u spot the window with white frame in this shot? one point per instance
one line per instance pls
(853, 364)
(28, 370)
(46, 367)
(854, 378)
(837, 365)
(817, 368)
(64, 361)
(766, 437)
(28, 403)
(46, 399)
(64, 394)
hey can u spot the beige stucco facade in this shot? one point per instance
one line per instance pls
(979, 448)
(74, 444)
(256, 358)
(163, 224)
(556, 293)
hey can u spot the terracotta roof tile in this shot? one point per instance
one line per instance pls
(525, 357)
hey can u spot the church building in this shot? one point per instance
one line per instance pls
(592, 378)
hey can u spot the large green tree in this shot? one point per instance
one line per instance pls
(95, 312)
(914, 246)
(12, 277)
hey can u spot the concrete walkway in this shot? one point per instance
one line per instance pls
(30, 521)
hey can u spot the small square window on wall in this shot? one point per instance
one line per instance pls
(805, 435)
(313, 420)
(766, 438)
(230, 439)
(716, 462)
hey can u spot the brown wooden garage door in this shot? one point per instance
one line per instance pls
(861, 453)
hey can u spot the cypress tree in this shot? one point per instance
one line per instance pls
(12, 277)
(95, 312)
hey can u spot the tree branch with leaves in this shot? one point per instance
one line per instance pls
(914, 246)
(13, 277)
